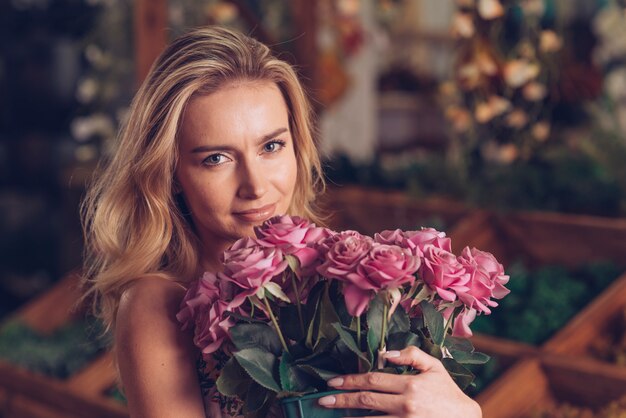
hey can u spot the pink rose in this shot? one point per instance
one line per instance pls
(461, 327)
(345, 251)
(384, 267)
(415, 241)
(212, 326)
(294, 236)
(203, 308)
(442, 273)
(250, 267)
(486, 280)
(203, 291)
(429, 236)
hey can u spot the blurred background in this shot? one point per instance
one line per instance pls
(502, 122)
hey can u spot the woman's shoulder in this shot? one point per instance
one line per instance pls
(148, 305)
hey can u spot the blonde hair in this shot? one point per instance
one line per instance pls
(132, 220)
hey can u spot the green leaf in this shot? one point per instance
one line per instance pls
(349, 341)
(401, 340)
(289, 323)
(374, 324)
(294, 263)
(256, 336)
(429, 347)
(458, 344)
(312, 309)
(241, 318)
(233, 379)
(434, 322)
(261, 366)
(256, 397)
(399, 321)
(464, 357)
(328, 316)
(339, 302)
(461, 376)
(321, 374)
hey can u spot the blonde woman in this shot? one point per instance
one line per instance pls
(218, 140)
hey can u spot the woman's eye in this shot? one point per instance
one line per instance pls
(214, 159)
(273, 146)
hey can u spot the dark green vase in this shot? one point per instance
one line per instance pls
(307, 407)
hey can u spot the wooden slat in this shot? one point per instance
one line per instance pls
(584, 382)
(95, 379)
(518, 391)
(371, 211)
(56, 394)
(150, 23)
(54, 308)
(569, 240)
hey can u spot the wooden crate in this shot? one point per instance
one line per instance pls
(543, 238)
(537, 383)
(369, 211)
(598, 320)
(24, 394)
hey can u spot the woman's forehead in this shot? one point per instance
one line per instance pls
(235, 112)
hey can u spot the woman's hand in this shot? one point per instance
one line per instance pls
(432, 393)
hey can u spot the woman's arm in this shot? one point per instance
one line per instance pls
(156, 360)
(430, 394)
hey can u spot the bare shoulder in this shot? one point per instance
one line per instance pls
(156, 359)
(150, 299)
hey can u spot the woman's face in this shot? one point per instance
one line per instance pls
(237, 165)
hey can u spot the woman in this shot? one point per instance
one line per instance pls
(218, 140)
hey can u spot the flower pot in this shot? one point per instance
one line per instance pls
(307, 406)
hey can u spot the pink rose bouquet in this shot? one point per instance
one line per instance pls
(299, 304)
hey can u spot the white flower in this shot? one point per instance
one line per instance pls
(84, 128)
(534, 91)
(86, 90)
(517, 119)
(463, 25)
(541, 131)
(486, 63)
(533, 7)
(490, 9)
(493, 107)
(519, 72)
(549, 41)
(459, 117)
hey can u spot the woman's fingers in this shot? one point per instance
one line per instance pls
(414, 357)
(380, 382)
(364, 400)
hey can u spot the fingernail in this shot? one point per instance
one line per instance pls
(392, 354)
(335, 381)
(327, 400)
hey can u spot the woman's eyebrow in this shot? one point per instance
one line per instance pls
(264, 138)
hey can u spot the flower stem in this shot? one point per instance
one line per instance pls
(275, 322)
(298, 304)
(384, 330)
(358, 331)
(448, 324)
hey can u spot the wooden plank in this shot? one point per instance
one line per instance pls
(509, 351)
(517, 392)
(568, 239)
(95, 379)
(150, 23)
(581, 381)
(54, 308)
(369, 211)
(57, 395)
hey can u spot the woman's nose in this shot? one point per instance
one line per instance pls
(253, 180)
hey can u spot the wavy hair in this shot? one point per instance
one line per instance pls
(132, 217)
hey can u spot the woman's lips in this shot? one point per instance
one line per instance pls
(258, 214)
